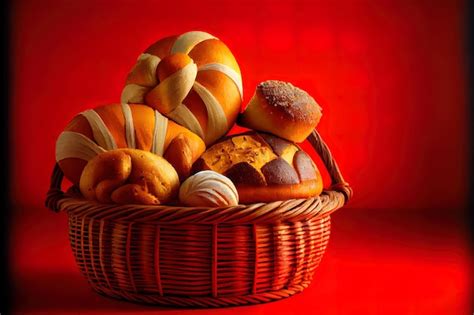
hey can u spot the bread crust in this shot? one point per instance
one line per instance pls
(277, 144)
(285, 172)
(253, 194)
(282, 109)
(245, 174)
(304, 166)
(129, 176)
(279, 172)
(288, 101)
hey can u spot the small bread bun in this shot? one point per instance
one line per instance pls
(283, 110)
(208, 189)
(129, 176)
(263, 167)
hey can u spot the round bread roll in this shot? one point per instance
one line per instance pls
(283, 110)
(192, 79)
(125, 126)
(263, 167)
(129, 176)
(208, 189)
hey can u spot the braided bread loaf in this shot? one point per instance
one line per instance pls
(263, 167)
(125, 126)
(192, 79)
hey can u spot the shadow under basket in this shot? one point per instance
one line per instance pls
(197, 256)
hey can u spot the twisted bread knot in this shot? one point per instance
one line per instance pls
(192, 79)
(129, 176)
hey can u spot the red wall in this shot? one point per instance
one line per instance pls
(390, 76)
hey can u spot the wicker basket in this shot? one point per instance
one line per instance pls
(204, 257)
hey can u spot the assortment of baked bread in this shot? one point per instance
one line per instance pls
(167, 142)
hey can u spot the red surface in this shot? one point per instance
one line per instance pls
(376, 263)
(390, 76)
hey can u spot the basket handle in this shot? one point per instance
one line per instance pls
(55, 194)
(337, 181)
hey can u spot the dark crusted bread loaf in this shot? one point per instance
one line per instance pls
(263, 167)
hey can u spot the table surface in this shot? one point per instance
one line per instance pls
(377, 262)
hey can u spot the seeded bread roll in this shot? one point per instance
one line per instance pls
(283, 110)
(263, 167)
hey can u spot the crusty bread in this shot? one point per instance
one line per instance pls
(120, 126)
(283, 110)
(192, 79)
(129, 176)
(263, 167)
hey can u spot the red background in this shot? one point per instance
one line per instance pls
(390, 76)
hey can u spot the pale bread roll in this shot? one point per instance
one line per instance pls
(208, 189)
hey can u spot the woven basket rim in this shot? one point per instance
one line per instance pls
(277, 211)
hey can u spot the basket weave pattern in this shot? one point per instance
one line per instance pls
(196, 256)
